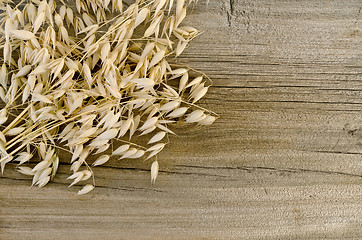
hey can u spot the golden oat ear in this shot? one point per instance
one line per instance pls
(92, 81)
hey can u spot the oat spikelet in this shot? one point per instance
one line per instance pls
(86, 189)
(154, 171)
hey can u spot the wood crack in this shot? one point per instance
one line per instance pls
(162, 171)
(289, 170)
(289, 101)
(230, 12)
(338, 152)
(132, 189)
(231, 2)
(146, 170)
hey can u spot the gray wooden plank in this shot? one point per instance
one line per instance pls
(282, 162)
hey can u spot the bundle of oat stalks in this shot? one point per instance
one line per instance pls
(80, 78)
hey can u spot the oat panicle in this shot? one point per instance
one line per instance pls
(83, 78)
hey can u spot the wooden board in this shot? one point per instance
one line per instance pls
(282, 162)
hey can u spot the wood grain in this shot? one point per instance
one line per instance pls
(282, 162)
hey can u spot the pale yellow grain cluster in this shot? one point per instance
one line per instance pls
(79, 78)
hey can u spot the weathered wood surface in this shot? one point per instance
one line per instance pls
(282, 162)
